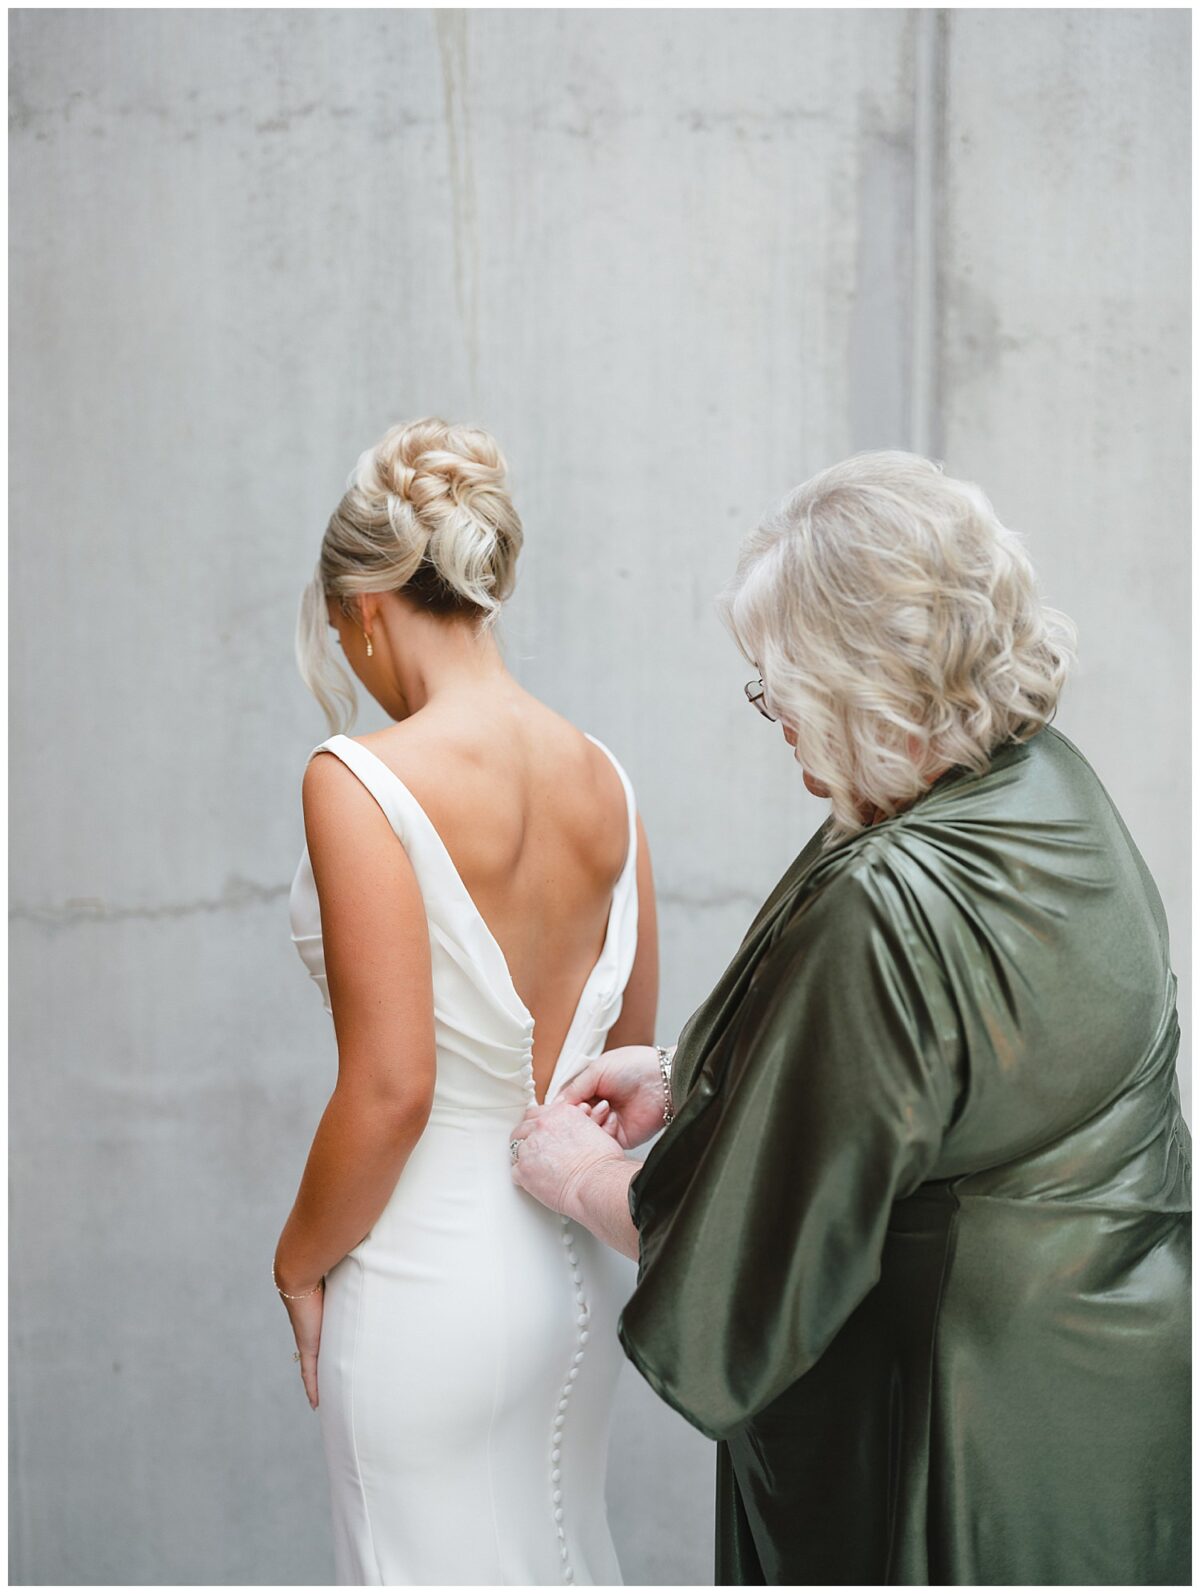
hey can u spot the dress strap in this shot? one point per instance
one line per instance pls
(388, 790)
(448, 904)
(630, 865)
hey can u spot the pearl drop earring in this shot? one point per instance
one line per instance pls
(370, 649)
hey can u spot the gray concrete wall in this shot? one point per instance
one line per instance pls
(676, 261)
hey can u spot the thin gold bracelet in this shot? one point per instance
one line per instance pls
(319, 1285)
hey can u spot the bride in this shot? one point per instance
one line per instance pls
(475, 905)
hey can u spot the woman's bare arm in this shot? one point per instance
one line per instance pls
(600, 1201)
(381, 992)
(639, 1008)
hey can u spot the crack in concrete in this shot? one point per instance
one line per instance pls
(719, 899)
(238, 893)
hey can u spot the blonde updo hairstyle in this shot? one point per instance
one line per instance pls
(426, 513)
(897, 627)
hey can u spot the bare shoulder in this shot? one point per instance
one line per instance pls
(321, 777)
(455, 753)
(484, 772)
(404, 745)
(401, 735)
(582, 763)
(425, 747)
(333, 796)
(325, 776)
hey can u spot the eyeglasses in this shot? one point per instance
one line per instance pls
(756, 692)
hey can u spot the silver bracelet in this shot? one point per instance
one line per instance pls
(664, 1068)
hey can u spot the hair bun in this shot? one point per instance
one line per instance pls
(428, 509)
(429, 461)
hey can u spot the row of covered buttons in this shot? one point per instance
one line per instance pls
(582, 1316)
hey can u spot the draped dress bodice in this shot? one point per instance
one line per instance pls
(484, 1031)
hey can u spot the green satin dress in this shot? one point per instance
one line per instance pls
(915, 1249)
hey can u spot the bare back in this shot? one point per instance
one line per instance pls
(535, 819)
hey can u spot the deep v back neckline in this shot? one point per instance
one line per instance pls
(487, 936)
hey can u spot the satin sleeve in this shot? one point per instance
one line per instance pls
(762, 1209)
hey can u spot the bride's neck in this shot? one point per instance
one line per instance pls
(439, 658)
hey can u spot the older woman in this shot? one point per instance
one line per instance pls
(913, 1247)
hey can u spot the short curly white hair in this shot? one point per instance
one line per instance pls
(897, 627)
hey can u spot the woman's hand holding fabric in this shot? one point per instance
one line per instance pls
(558, 1147)
(629, 1079)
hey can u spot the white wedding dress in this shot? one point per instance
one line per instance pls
(468, 1352)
